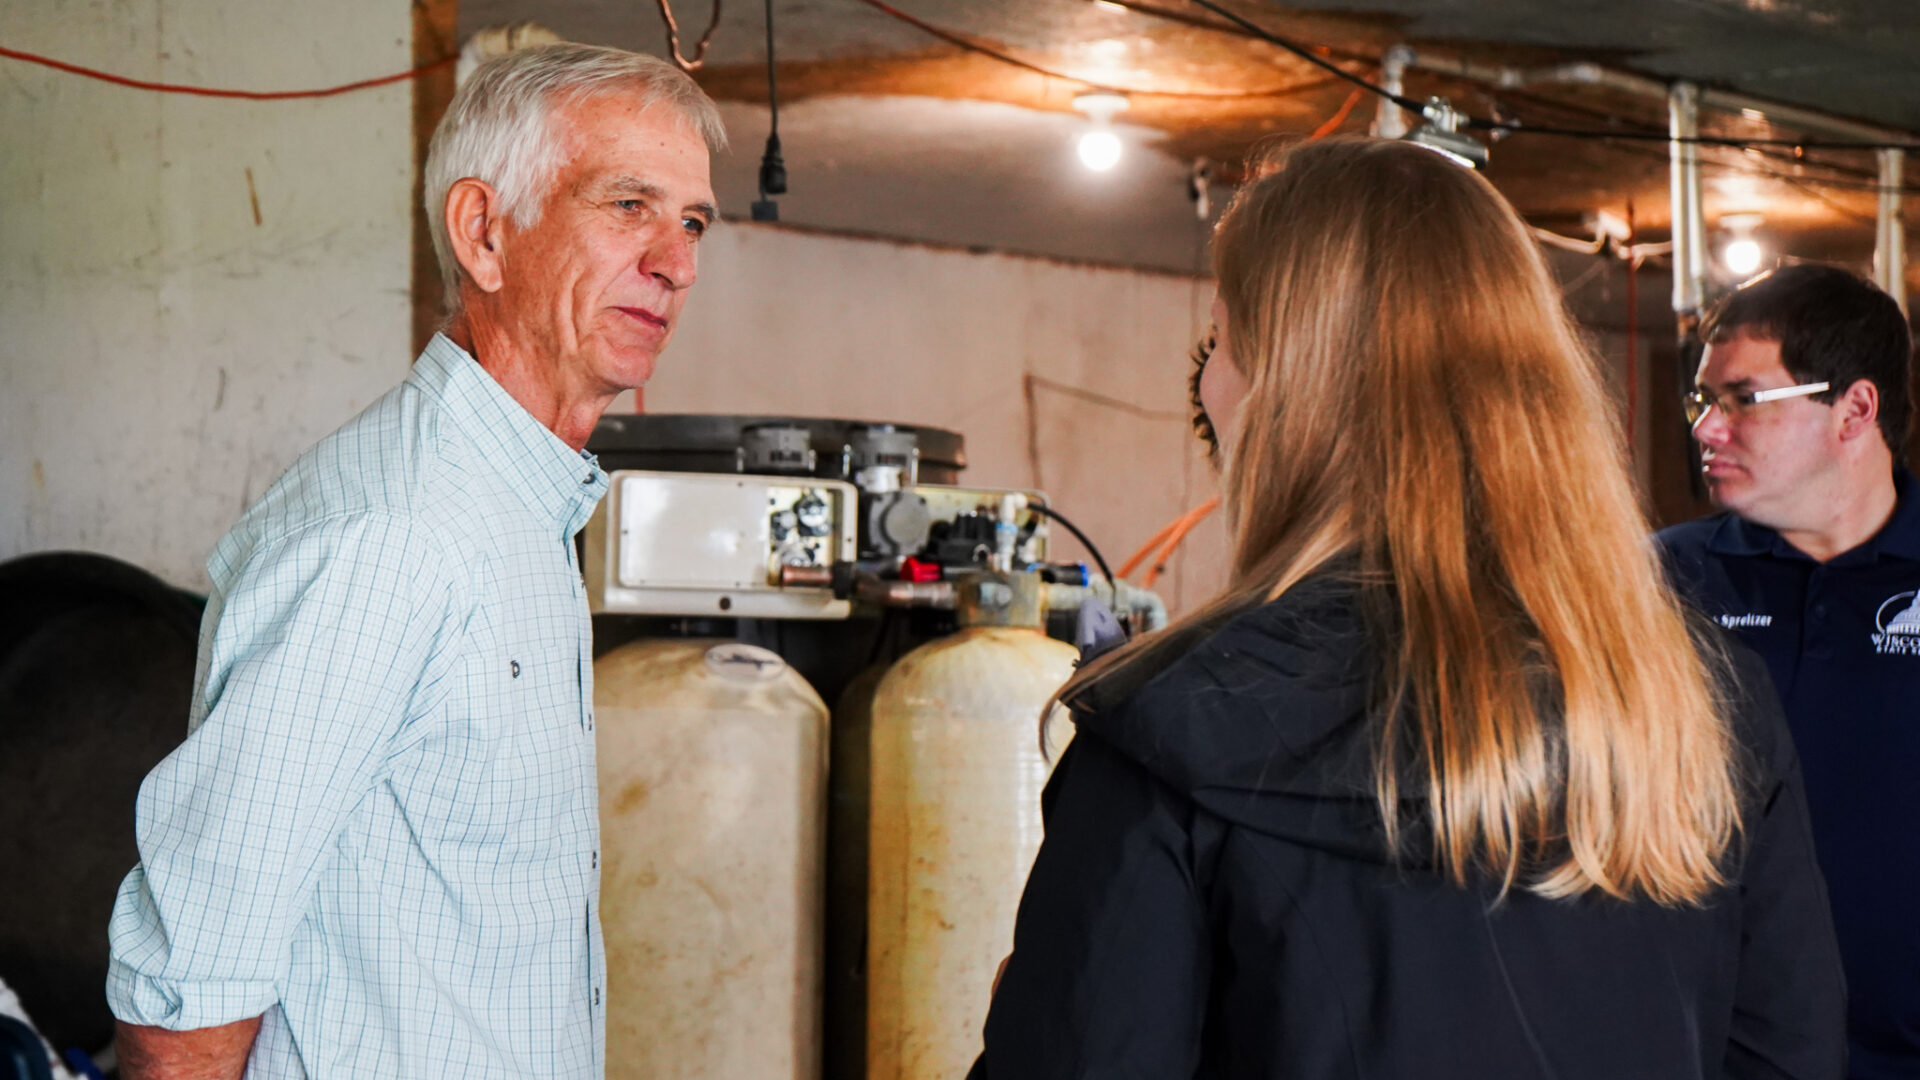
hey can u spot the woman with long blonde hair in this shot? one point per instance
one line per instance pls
(1445, 782)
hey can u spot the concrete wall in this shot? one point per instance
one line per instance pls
(192, 290)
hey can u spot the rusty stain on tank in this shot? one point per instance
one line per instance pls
(632, 797)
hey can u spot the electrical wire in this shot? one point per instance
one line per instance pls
(994, 52)
(673, 36)
(207, 91)
(1042, 508)
(773, 78)
(1181, 528)
(1332, 123)
(773, 167)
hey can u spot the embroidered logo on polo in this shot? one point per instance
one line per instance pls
(1899, 623)
(1745, 622)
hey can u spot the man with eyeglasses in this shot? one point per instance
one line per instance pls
(1801, 408)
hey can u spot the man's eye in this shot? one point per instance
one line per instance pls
(696, 226)
(629, 204)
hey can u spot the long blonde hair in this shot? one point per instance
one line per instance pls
(1420, 404)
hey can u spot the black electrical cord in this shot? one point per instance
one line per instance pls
(773, 168)
(1043, 508)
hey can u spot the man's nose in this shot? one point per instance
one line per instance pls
(1712, 428)
(674, 260)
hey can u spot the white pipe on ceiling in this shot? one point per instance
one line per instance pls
(1389, 120)
(1689, 225)
(1890, 231)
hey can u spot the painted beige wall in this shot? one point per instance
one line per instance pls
(164, 353)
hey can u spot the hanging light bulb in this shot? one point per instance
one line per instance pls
(1099, 147)
(1743, 254)
(1742, 257)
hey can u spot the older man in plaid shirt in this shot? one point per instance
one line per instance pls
(377, 852)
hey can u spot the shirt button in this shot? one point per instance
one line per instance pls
(514, 666)
(596, 860)
(596, 995)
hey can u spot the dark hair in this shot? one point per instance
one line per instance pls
(1832, 327)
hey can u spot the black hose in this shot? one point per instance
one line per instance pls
(1043, 508)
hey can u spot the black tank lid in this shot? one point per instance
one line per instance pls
(705, 442)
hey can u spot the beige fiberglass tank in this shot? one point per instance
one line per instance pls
(956, 778)
(712, 760)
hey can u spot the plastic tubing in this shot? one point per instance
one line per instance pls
(1167, 539)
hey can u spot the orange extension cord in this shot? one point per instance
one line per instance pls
(1164, 542)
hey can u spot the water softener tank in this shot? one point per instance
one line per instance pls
(956, 776)
(713, 765)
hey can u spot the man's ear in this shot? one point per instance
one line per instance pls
(476, 226)
(1858, 409)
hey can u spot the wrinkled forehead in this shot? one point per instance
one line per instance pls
(613, 135)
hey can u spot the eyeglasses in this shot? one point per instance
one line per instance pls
(1737, 406)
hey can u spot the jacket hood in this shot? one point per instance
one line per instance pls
(1263, 721)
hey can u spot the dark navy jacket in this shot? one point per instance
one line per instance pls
(1842, 640)
(1213, 899)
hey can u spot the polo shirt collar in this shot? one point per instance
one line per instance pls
(1899, 537)
(556, 481)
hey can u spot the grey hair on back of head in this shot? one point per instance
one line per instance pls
(499, 128)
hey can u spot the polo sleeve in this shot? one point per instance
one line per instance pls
(322, 646)
(1112, 952)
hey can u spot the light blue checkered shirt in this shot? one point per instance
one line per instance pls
(382, 831)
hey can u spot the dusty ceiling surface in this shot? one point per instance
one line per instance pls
(905, 131)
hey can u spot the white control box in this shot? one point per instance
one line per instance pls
(715, 544)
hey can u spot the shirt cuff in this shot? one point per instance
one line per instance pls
(179, 1005)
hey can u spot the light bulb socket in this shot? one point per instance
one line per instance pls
(1100, 106)
(773, 169)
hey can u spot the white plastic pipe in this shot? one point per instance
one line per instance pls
(1890, 232)
(1689, 226)
(1390, 121)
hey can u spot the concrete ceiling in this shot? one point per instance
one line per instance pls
(893, 131)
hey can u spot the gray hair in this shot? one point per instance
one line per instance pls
(499, 128)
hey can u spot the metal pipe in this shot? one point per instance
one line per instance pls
(1134, 600)
(1449, 65)
(1890, 230)
(904, 594)
(1796, 116)
(806, 577)
(1689, 228)
(1587, 73)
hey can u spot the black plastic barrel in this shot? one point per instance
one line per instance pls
(96, 673)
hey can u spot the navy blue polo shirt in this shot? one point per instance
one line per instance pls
(1842, 641)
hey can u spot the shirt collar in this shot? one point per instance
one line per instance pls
(1899, 537)
(555, 480)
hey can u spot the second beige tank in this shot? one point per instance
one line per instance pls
(956, 778)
